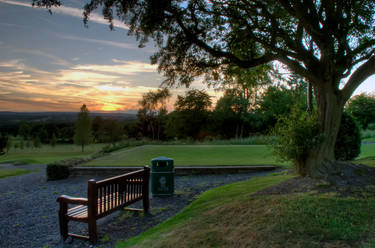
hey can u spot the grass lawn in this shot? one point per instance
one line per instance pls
(229, 216)
(372, 140)
(47, 154)
(191, 155)
(367, 155)
(13, 172)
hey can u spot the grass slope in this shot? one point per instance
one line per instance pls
(190, 155)
(48, 154)
(13, 172)
(229, 216)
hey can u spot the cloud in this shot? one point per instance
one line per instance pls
(11, 25)
(120, 68)
(101, 87)
(74, 12)
(65, 85)
(101, 42)
(56, 60)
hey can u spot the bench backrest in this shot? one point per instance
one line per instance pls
(109, 195)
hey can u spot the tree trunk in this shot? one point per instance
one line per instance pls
(309, 98)
(321, 160)
(237, 130)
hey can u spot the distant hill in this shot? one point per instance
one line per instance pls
(15, 118)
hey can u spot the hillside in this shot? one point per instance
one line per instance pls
(15, 118)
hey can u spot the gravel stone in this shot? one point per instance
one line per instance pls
(29, 211)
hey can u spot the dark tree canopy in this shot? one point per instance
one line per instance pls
(324, 41)
(362, 108)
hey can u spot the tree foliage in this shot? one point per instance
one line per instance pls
(190, 118)
(82, 133)
(279, 101)
(153, 110)
(232, 110)
(362, 108)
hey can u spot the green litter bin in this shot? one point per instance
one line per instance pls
(162, 176)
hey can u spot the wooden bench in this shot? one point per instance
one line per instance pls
(103, 198)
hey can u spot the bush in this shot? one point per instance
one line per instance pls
(60, 169)
(57, 171)
(294, 136)
(348, 143)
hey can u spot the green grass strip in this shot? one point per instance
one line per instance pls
(207, 201)
(13, 172)
(48, 154)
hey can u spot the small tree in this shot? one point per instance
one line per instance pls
(3, 143)
(22, 144)
(9, 143)
(37, 143)
(82, 134)
(53, 140)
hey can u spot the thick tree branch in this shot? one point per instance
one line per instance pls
(299, 69)
(363, 47)
(361, 74)
(222, 54)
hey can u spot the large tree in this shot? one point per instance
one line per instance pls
(324, 41)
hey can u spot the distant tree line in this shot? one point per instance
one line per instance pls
(244, 109)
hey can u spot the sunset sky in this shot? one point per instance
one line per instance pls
(52, 63)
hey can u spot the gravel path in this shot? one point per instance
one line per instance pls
(28, 209)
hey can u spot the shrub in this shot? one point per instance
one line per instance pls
(60, 169)
(294, 135)
(57, 171)
(348, 143)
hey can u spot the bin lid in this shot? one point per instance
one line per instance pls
(162, 164)
(161, 159)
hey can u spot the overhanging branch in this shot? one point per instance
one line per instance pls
(223, 54)
(361, 74)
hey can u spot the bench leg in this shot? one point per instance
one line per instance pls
(92, 231)
(63, 222)
(146, 203)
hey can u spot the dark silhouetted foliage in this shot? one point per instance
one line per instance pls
(348, 143)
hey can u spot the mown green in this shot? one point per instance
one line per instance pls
(191, 155)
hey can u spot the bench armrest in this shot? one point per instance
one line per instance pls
(72, 200)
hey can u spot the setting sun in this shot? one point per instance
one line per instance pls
(110, 107)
